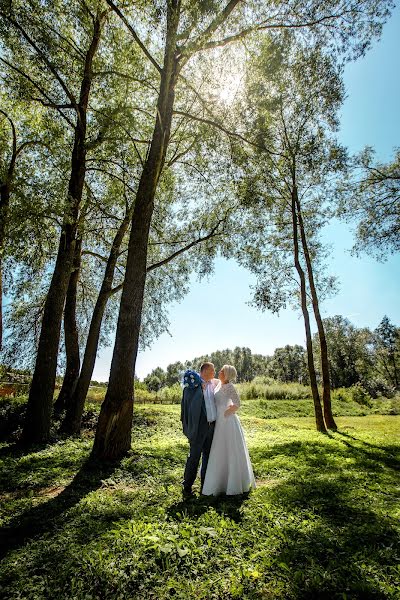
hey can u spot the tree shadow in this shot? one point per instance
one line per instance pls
(382, 448)
(227, 506)
(42, 519)
(334, 543)
(341, 554)
(385, 455)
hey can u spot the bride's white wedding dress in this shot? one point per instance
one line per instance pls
(229, 467)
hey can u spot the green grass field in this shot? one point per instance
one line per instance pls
(322, 523)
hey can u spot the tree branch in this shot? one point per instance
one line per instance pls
(134, 34)
(41, 54)
(51, 102)
(226, 131)
(198, 44)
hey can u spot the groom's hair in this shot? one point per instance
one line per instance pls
(205, 366)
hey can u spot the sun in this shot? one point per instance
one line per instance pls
(230, 87)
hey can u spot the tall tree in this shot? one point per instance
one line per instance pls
(32, 39)
(113, 434)
(350, 352)
(303, 90)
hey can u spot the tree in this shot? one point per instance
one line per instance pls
(370, 196)
(297, 94)
(349, 354)
(289, 364)
(174, 373)
(25, 28)
(386, 342)
(115, 421)
(157, 377)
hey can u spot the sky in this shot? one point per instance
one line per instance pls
(368, 289)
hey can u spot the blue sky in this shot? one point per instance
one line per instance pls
(368, 289)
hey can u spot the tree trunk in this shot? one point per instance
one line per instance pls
(4, 206)
(76, 403)
(71, 335)
(319, 419)
(326, 396)
(113, 434)
(40, 401)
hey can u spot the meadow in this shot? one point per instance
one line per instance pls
(323, 522)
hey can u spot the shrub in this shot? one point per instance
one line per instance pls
(273, 390)
(170, 395)
(341, 395)
(360, 395)
(143, 396)
(379, 387)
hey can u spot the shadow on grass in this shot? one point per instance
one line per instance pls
(43, 518)
(227, 506)
(389, 450)
(338, 548)
(337, 537)
(380, 454)
(319, 454)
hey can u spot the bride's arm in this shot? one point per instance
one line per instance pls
(234, 396)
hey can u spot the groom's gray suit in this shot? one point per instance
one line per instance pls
(199, 432)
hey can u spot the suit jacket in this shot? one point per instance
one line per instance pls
(193, 412)
(192, 409)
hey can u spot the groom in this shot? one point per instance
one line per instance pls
(198, 414)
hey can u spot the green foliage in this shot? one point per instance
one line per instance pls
(171, 395)
(322, 522)
(274, 391)
(370, 197)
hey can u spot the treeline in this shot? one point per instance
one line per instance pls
(356, 355)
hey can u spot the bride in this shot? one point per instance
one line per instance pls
(229, 467)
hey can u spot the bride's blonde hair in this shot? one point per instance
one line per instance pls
(230, 372)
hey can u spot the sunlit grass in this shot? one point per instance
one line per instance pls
(322, 523)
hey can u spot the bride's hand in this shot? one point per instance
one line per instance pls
(230, 411)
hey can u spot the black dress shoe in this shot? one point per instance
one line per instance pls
(187, 493)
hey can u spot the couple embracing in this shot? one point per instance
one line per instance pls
(215, 434)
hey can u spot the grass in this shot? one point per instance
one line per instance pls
(323, 522)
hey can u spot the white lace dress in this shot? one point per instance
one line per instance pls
(229, 467)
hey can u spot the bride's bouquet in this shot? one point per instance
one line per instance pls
(191, 379)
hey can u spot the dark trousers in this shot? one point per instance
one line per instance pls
(199, 448)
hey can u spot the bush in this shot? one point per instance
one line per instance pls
(360, 395)
(341, 395)
(143, 396)
(379, 387)
(96, 394)
(170, 395)
(273, 390)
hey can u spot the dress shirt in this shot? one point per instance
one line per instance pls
(209, 400)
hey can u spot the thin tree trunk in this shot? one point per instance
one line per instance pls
(76, 403)
(40, 401)
(319, 419)
(4, 206)
(326, 395)
(113, 433)
(71, 335)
